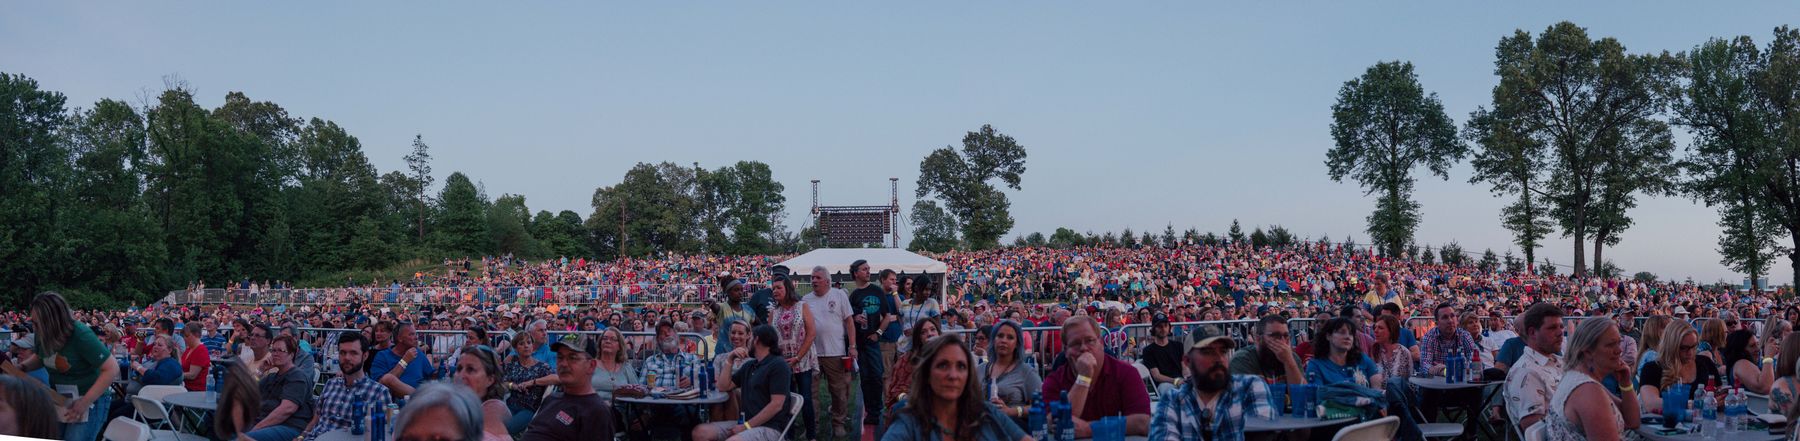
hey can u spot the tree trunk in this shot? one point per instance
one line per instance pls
(1599, 245)
(1580, 244)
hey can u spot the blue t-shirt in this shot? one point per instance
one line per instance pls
(1407, 338)
(1510, 351)
(894, 331)
(166, 372)
(545, 356)
(415, 371)
(1326, 372)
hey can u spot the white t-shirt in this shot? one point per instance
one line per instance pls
(828, 314)
(910, 314)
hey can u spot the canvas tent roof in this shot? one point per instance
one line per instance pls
(837, 260)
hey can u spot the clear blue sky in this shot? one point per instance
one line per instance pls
(1134, 114)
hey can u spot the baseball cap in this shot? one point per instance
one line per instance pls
(1159, 319)
(1203, 336)
(579, 343)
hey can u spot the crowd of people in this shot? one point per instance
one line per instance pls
(874, 354)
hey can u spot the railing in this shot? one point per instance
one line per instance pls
(466, 295)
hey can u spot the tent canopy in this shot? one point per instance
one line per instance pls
(837, 260)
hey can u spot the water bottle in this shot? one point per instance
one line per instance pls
(378, 425)
(1034, 420)
(393, 411)
(1065, 422)
(1733, 412)
(1709, 414)
(1742, 411)
(357, 410)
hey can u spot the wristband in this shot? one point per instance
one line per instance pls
(1627, 387)
(1083, 380)
(746, 426)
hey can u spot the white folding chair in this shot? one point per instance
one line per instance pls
(793, 412)
(1144, 372)
(126, 429)
(1375, 430)
(158, 392)
(1436, 430)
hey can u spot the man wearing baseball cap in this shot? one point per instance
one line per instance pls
(576, 413)
(1211, 403)
(1162, 356)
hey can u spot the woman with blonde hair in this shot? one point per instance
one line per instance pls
(1582, 409)
(1653, 332)
(1712, 337)
(1679, 363)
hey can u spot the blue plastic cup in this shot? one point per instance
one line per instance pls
(1278, 398)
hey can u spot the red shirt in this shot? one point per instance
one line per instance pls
(197, 356)
(1118, 390)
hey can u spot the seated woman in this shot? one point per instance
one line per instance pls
(946, 403)
(1677, 362)
(528, 378)
(1337, 360)
(738, 334)
(440, 411)
(1009, 381)
(478, 371)
(1742, 366)
(1784, 390)
(238, 401)
(1581, 409)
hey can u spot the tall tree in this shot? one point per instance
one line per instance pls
(1736, 161)
(109, 243)
(934, 229)
(1509, 160)
(960, 181)
(508, 224)
(1384, 125)
(418, 166)
(1235, 234)
(33, 171)
(1592, 104)
(651, 210)
(462, 225)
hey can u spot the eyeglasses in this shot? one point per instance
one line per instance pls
(279, 351)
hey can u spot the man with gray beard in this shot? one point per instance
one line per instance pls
(668, 370)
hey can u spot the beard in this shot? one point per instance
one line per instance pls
(1214, 380)
(668, 345)
(347, 368)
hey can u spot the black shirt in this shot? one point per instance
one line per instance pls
(870, 302)
(1704, 370)
(760, 381)
(571, 418)
(1165, 359)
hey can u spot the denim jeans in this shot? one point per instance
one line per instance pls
(96, 420)
(803, 385)
(274, 433)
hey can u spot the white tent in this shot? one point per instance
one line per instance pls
(837, 260)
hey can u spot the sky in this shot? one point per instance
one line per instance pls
(1134, 114)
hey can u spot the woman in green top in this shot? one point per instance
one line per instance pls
(77, 362)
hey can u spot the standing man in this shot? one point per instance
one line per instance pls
(874, 311)
(577, 413)
(354, 386)
(832, 318)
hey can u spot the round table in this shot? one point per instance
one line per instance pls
(1438, 383)
(341, 435)
(1649, 433)
(1287, 423)
(714, 397)
(194, 400)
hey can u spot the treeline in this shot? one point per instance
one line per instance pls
(116, 203)
(1579, 128)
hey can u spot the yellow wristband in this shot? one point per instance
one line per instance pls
(746, 426)
(1627, 387)
(1083, 380)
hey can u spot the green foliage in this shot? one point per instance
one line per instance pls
(1235, 234)
(1035, 239)
(1593, 105)
(461, 221)
(934, 229)
(508, 224)
(1280, 236)
(1489, 261)
(1168, 236)
(1064, 238)
(1258, 238)
(1513, 264)
(961, 182)
(1736, 163)
(1428, 257)
(1644, 276)
(1452, 254)
(1128, 239)
(1384, 125)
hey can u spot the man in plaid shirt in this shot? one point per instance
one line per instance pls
(669, 367)
(1212, 404)
(335, 407)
